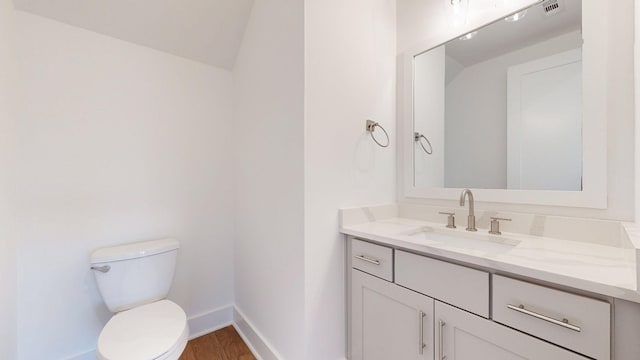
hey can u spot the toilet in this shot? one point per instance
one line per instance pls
(134, 280)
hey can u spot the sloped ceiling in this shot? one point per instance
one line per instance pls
(208, 31)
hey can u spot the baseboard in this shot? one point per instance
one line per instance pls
(258, 345)
(210, 321)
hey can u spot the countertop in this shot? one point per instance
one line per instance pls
(596, 268)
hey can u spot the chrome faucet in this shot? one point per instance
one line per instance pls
(471, 219)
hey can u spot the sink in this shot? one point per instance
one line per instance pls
(460, 240)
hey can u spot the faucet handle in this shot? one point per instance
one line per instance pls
(495, 225)
(451, 219)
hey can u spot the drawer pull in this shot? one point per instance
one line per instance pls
(421, 344)
(564, 322)
(364, 258)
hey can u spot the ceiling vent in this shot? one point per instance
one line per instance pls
(552, 7)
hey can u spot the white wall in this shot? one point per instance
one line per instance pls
(116, 143)
(637, 104)
(620, 102)
(349, 77)
(7, 183)
(268, 146)
(476, 151)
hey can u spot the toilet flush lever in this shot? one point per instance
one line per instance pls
(102, 269)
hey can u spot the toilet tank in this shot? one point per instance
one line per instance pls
(134, 274)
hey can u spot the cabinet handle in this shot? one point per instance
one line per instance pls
(564, 322)
(421, 343)
(441, 340)
(364, 258)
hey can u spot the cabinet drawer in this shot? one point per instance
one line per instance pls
(576, 322)
(374, 259)
(454, 284)
(463, 336)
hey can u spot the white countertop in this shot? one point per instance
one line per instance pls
(597, 268)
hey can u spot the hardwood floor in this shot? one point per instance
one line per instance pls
(224, 344)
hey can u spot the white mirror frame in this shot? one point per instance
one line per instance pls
(594, 194)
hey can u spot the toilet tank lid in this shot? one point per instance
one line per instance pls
(134, 250)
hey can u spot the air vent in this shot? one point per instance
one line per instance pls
(552, 7)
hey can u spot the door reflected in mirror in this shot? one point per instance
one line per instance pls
(501, 108)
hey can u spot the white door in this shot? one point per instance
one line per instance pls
(544, 123)
(465, 336)
(389, 322)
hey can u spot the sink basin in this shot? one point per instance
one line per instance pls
(460, 240)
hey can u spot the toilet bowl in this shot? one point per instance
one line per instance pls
(156, 331)
(134, 280)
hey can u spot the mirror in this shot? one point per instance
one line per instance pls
(501, 107)
(527, 140)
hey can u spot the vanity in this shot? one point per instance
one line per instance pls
(516, 111)
(420, 290)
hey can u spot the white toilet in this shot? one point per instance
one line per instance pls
(134, 280)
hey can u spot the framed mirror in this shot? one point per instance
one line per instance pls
(514, 110)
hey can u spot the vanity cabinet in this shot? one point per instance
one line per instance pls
(460, 286)
(464, 336)
(389, 321)
(373, 259)
(576, 322)
(409, 306)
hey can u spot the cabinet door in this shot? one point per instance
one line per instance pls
(389, 322)
(464, 336)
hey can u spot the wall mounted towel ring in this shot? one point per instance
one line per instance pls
(371, 127)
(418, 138)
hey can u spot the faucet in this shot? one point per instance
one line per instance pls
(471, 219)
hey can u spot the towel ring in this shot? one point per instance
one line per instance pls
(418, 138)
(371, 127)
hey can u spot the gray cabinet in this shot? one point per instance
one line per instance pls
(464, 336)
(438, 310)
(572, 321)
(389, 321)
(450, 283)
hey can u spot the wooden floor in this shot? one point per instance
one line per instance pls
(224, 344)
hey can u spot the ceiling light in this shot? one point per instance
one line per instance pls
(469, 36)
(515, 17)
(456, 12)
